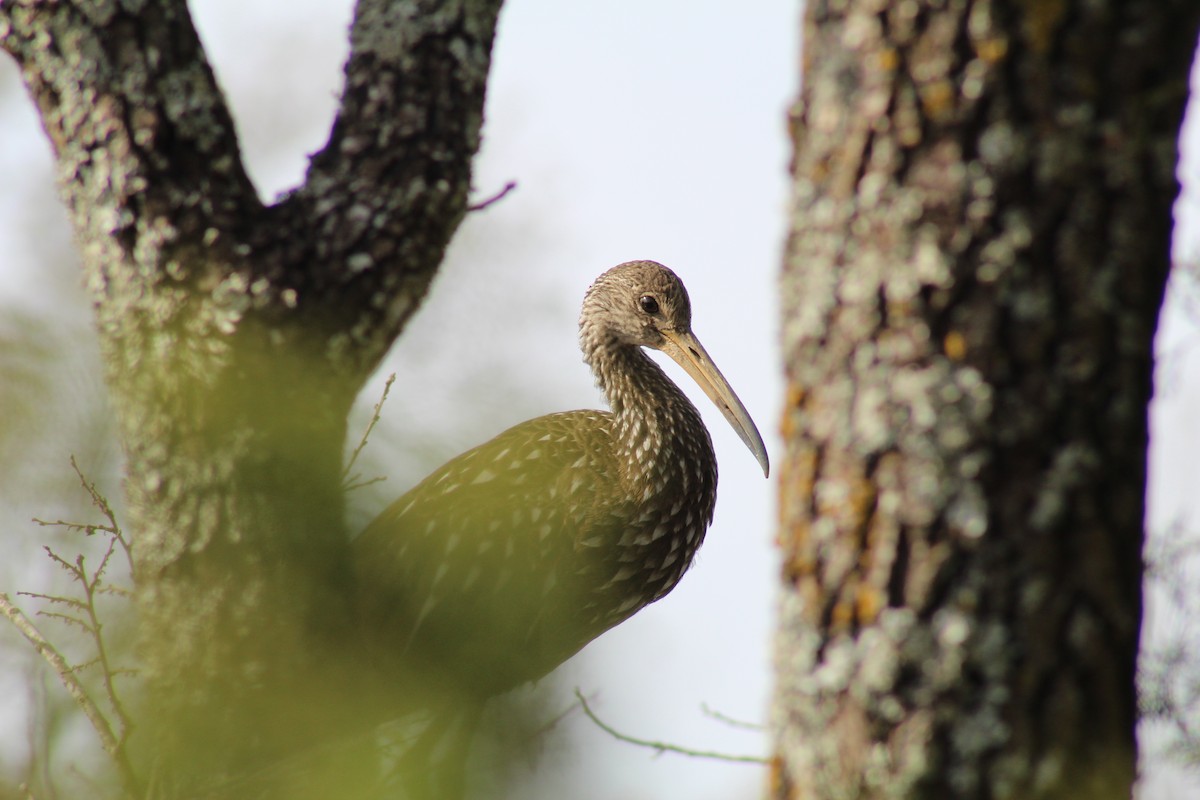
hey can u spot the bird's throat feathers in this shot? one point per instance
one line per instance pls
(654, 424)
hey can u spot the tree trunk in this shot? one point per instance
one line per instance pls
(236, 336)
(980, 244)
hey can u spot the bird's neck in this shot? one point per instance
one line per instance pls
(657, 430)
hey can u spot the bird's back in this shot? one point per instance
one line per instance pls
(507, 560)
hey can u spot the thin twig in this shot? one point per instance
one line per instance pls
(87, 527)
(730, 721)
(84, 614)
(553, 722)
(91, 588)
(66, 618)
(663, 747)
(496, 198)
(101, 502)
(78, 693)
(354, 482)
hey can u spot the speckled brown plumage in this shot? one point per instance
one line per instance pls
(511, 557)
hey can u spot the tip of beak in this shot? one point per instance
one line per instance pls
(764, 463)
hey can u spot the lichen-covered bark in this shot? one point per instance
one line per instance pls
(982, 212)
(237, 333)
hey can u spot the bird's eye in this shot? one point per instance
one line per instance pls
(648, 304)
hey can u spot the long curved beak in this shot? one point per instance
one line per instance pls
(686, 351)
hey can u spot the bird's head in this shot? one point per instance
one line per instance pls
(635, 303)
(642, 303)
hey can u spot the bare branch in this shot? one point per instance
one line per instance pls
(496, 198)
(82, 667)
(101, 502)
(87, 527)
(91, 587)
(67, 566)
(554, 721)
(83, 613)
(663, 747)
(730, 721)
(112, 745)
(69, 602)
(68, 619)
(350, 482)
(356, 482)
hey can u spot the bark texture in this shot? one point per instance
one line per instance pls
(237, 334)
(980, 243)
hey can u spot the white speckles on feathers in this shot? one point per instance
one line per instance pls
(628, 604)
(484, 476)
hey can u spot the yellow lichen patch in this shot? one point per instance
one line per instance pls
(787, 426)
(900, 307)
(797, 531)
(819, 170)
(803, 469)
(955, 346)
(992, 49)
(795, 394)
(795, 397)
(937, 99)
(867, 601)
(777, 781)
(799, 567)
(841, 616)
(795, 491)
(1041, 22)
(861, 499)
(889, 59)
(810, 599)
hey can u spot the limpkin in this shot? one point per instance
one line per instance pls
(511, 557)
